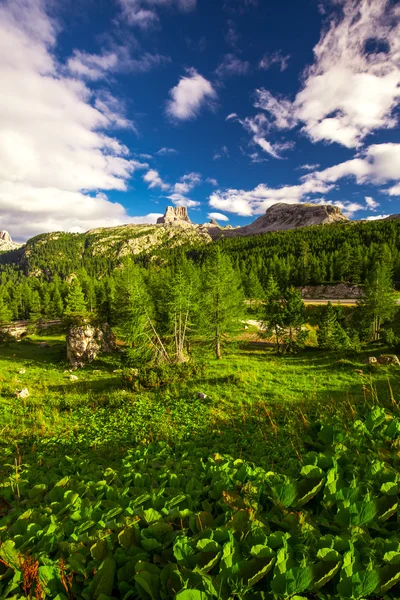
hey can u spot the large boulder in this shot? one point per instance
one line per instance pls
(84, 342)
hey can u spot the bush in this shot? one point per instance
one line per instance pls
(162, 374)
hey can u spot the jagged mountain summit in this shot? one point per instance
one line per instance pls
(175, 215)
(282, 216)
(6, 242)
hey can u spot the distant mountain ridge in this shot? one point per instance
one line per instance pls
(109, 245)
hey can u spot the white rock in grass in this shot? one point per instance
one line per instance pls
(24, 393)
(22, 371)
(73, 378)
(201, 395)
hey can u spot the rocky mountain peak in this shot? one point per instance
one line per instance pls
(281, 216)
(6, 242)
(5, 236)
(174, 215)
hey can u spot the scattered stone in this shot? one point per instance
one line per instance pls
(389, 359)
(73, 378)
(201, 395)
(22, 371)
(44, 345)
(117, 371)
(84, 342)
(372, 360)
(22, 394)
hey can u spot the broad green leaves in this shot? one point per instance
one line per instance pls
(158, 524)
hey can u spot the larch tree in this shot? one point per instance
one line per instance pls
(378, 304)
(222, 301)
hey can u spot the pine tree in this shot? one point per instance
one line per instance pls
(293, 318)
(133, 314)
(222, 302)
(57, 304)
(35, 310)
(75, 302)
(182, 307)
(331, 335)
(378, 304)
(273, 318)
(5, 312)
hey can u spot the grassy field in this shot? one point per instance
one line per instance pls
(282, 483)
(250, 392)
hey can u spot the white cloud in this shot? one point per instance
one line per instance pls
(152, 177)
(54, 144)
(166, 151)
(254, 202)
(394, 191)
(217, 216)
(259, 127)
(189, 96)
(378, 164)
(231, 116)
(187, 183)
(276, 58)
(353, 86)
(375, 217)
(371, 203)
(143, 13)
(309, 167)
(280, 110)
(232, 65)
(180, 200)
(97, 66)
(212, 181)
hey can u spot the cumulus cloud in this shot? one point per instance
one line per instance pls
(217, 216)
(152, 177)
(187, 183)
(189, 96)
(353, 85)
(232, 65)
(56, 147)
(143, 13)
(377, 164)
(371, 203)
(212, 181)
(180, 200)
(276, 58)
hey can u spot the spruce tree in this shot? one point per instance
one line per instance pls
(331, 335)
(75, 302)
(273, 318)
(5, 312)
(293, 318)
(378, 305)
(57, 304)
(35, 312)
(222, 302)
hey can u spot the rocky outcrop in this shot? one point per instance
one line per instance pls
(344, 291)
(6, 242)
(282, 216)
(85, 342)
(175, 215)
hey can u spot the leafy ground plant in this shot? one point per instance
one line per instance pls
(162, 521)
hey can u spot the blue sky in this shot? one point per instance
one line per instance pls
(114, 109)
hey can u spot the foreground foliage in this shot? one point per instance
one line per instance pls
(163, 522)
